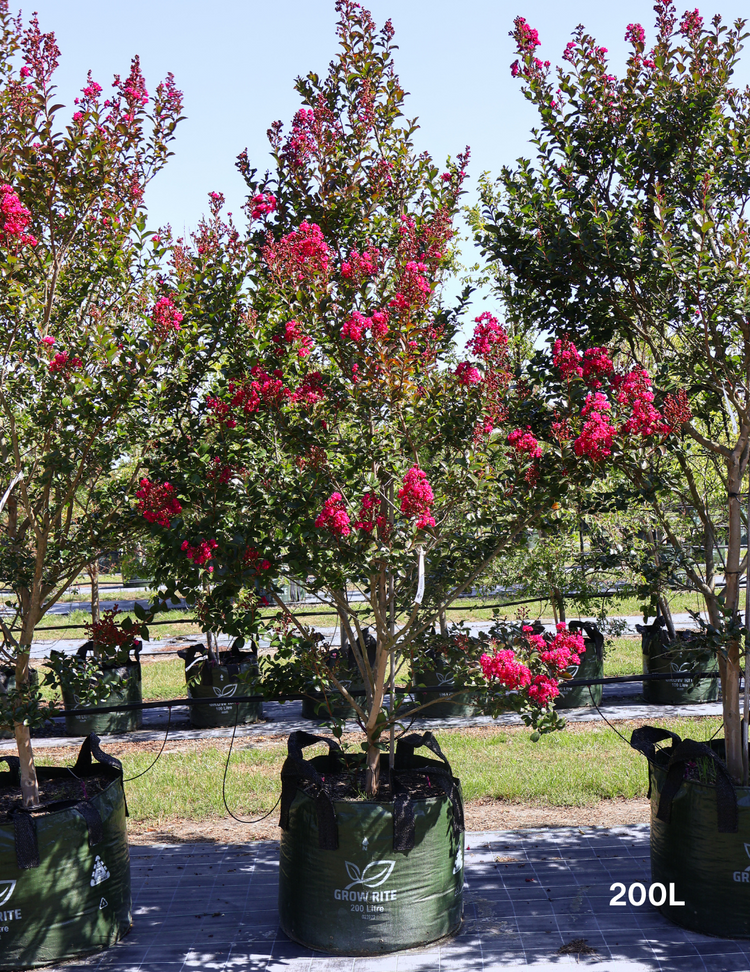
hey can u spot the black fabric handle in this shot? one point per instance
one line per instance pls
(726, 796)
(407, 744)
(91, 748)
(93, 820)
(403, 810)
(592, 633)
(645, 740)
(295, 769)
(24, 834)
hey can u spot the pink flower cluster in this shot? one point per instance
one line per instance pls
(543, 689)
(489, 337)
(417, 497)
(564, 650)
(634, 390)
(333, 517)
(596, 365)
(166, 317)
(63, 364)
(158, 502)
(524, 442)
(48, 340)
(252, 558)
(504, 667)
(262, 390)
(262, 204)
(293, 334)
(597, 435)
(302, 254)
(467, 374)
(636, 35)
(691, 24)
(201, 553)
(14, 220)
(359, 266)
(368, 517)
(677, 410)
(310, 390)
(358, 324)
(567, 359)
(526, 36)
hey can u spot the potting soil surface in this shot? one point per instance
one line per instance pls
(539, 899)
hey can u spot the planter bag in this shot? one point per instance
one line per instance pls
(64, 869)
(320, 706)
(658, 658)
(700, 835)
(126, 686)
(465, 705)
(592, 666)
(219, 682)
(362, 878)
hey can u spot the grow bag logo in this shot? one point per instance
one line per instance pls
(6, 890)
(225, 692)
(100, 872)
(743, 877)
(375, 874)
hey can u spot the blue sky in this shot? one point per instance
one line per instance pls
(236, 63)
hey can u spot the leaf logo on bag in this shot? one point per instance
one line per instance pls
(6, 890)
(443, 679)
(226, 691)
(459, 861)
(375, 874)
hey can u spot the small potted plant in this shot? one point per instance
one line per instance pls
(102, 665)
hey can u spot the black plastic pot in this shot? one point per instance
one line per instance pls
(360, 877)
(700, 835)
(65, 869)
(126, 686)
(592, 666)
(660, 657)
(206, 680)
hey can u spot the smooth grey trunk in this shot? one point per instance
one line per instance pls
(93, 572)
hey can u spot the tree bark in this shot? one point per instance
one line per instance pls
(93, 572)
(729, 667)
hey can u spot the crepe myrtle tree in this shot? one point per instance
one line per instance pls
(92, 337)
(344, 442)
(629, 229)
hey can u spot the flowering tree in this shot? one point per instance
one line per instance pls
(629, 230)
(344, 443)
(92, 338)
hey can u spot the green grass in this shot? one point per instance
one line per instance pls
(623, 657)
(163, 679)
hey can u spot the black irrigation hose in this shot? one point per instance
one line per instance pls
(169, 722)
(615, 729)
(224, 783)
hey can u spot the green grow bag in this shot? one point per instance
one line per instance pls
(465, 705)
(658, 657)
(592, 666)
(363, 878)
(126, 686)
(208, 681)
(700, 835)
(65, 869)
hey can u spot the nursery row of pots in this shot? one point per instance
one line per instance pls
(219, 682)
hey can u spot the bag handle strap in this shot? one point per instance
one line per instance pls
(407, 744)
(646, 738)
(295, 769)
(592, 633)
(91, 748)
